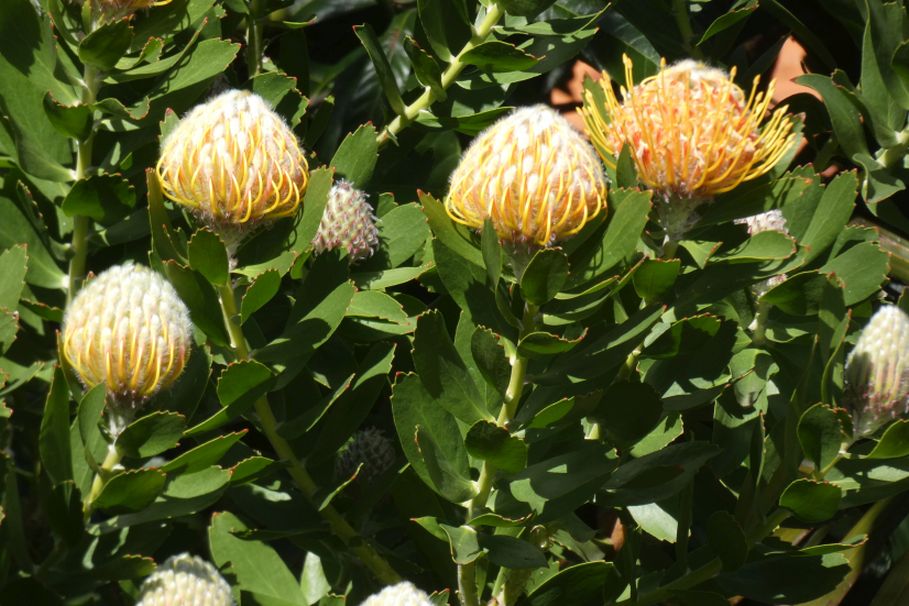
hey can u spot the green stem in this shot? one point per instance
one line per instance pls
(680, 12)
(254, 39)
(759, 336)
(339, 526)
(467, 585)
(510, 402)
(110, 461)
(91, 81)
(454, 69)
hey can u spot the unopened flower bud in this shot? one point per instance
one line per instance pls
(234, 163)
(129, 330)
(402, 594)
(772, 220)
(877, 371)
(185, 580)
(348, 222)
(693, 132)
(532, 175)
(368, 447)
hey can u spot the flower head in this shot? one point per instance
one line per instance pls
(532, 174)
(129, 330)
(348, 222)
(692, 131)
(185, 580)
(233, 162)
(877, 371)
(402, 594)
(368, 447)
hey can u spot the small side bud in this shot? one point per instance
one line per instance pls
(402, 594)
(369, 447)
(772, 220)
(348, 222)
(877, 371)
(185, 580)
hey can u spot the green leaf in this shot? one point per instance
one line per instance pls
(152, 434)
(762, 246)
(53, 437)
(258, 568)
(383, 69)
(586, 583)
(88, 417)
(446, 24)
(425, 68)
(812, 501)
(204, 455)
(490, 358)
(403, 232)
(356, 157)
(259, 292)
(727, 539)
(443, 373)
(104, 198)
(73, 121)
(184, 495)
(490, 442)
(655, 521)
(104, 46)
(163, 244)
(628, 412)
(131, 490)
(655, 277)
(833, 211)
(464, 543)
(800, 295)
(208, 59)
(861, 269)
(526, 8)
(729, 19)
(547, 344)
(820, 432)
(894, 443)
(313, 582)
(13, 268)
(314, 202)
(431, 440)
(201, 299)
(492, 253)
(845, 116)
(510, 552)
(544, 276)
(498, 56)
(15, 230)
(208, 256)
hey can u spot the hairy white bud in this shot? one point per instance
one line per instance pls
(185, 580)
(402, 594)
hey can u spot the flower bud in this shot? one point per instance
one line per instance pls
(877, 371)
(370, 448)
(402, 594)
(348, 222)
(532, 175)
(692, 131)
(129, 330)
(185, 580)
(234, 163)
(772, 220)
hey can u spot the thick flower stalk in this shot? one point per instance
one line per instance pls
(129, 330)
(185, 580)
(401, 594)
(877, 371)
(235, 164)
(532, 175)
(348, 222)
(692, 132)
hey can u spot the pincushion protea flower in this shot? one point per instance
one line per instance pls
(693, 132)
(185, 580)
(234, 163)
(348, 222)
(533, 175)
(877, 371)
(129, 330)
(402, 594)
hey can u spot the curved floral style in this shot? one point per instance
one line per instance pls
(533, 175)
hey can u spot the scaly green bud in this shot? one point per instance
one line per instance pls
(348, 222)
(369, 447)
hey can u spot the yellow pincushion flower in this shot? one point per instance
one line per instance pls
(234, 162)
(693, 132)
(127, 329)
(533, 175)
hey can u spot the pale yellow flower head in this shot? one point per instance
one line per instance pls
(532, 175)
(692, 131)
(234, 163)
(129, 330)
(401, 594)
(877, 371)
(185, 580)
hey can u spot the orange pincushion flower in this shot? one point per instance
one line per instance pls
(233, 161)
(532, 175)
(693, 132)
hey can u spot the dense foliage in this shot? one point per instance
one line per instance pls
(435, 341)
